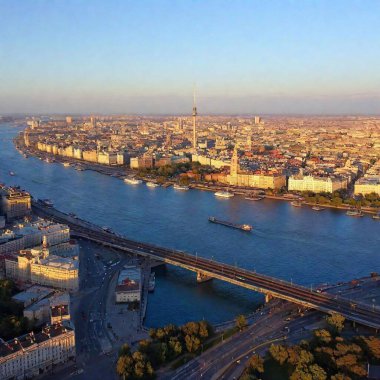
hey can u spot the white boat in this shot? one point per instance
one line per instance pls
(224, 194)
(152, 184)
(132, 181)
(66, 164)
(179, 187)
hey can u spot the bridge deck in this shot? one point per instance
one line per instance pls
(238, 276)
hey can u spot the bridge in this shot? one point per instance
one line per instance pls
(207, 269)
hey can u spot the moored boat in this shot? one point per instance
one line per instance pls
(376, 216)
(132, 181)
(224, 194)
(317, 208)
(355, 212)
(152, 184)
(180, 187)
(296, 203)
(66, 164)
(254, 198)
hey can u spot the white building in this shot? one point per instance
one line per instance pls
(55, 234)
(38, 267)
(33, 354)
(128, 288)
(316, 184)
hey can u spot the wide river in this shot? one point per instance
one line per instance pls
(295, 244)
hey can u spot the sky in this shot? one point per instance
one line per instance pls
(140, 56)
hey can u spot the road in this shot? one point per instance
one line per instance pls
(269, 325)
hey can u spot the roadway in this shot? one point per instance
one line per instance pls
(258, 282)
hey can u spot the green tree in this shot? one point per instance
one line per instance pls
(124, 349)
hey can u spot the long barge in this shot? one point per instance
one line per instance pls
(243, 227)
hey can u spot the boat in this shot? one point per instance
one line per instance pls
(66, 164)
(180, 187)
(152, 282)
(152, 184)
(243, 227)
(355, 212)
(12, 173)
(224, 194)
(79, 168)
(376, 216)
(296, 203)
(317, 208)
(254, 198)
(47, 202)
(107, 229)
(132, 181)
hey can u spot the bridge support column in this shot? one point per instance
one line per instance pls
(201, 277)
(268, 297)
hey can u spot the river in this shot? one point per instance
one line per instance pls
(296, 244)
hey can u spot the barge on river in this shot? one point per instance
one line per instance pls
(243, 227)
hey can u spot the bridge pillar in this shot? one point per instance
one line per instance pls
(201, 277)
(268, 297)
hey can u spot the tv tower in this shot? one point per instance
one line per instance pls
(194, 122)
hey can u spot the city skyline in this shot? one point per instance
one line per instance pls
(127, 57)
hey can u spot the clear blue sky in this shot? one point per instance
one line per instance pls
(86, 56)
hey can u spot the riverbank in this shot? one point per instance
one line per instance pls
(121, 172)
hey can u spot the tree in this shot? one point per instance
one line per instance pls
(124, 366)
(336, 322)
(279, 353)
(241, 322)
(340, 376)
(192, 343)
(256, 364)
(322, 336)
(124, 350)
(317, 372)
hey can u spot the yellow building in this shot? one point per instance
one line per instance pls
(368, 185)
(261, 181)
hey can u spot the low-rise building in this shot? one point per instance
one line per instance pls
(128, 288)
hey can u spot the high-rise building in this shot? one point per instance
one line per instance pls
(194, 123)
(69, 119)
(257, 120)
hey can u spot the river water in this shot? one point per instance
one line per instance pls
(295, 244)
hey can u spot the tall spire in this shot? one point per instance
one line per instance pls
(194, 121)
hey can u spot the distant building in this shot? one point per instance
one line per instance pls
(244, 179)
(257, 119)
(316, 184)
(69, 119)
(33, 354)
(15, 203)
(368, 185)
(128, 288)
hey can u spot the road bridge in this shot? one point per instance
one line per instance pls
(207, 268)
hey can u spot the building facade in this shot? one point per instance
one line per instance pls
(34, 354)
